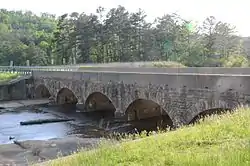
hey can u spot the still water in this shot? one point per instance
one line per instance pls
(10, 126)
(87, 125)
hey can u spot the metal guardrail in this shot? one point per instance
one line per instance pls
(76, 67)
(113, 68)
(29, 69)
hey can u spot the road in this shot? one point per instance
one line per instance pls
(135, 67)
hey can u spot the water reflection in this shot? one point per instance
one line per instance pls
(89, 125)
(10, 126)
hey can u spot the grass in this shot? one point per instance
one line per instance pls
(166, 64)
(87, 67)
(217, 141)
(158, 64)
(7, 76)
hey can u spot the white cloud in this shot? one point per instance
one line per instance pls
(234, 12)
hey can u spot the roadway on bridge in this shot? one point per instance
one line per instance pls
(189, 71)
(131, 68)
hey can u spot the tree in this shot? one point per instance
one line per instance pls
(116, 35)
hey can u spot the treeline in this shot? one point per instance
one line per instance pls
(116, 36)
(25, 36)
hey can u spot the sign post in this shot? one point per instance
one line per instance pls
(64, 61)
(11, 63)
(28, 63)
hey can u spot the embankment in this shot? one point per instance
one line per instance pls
(33, 151)
(219, 140)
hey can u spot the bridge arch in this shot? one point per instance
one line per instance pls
(147, 115)
(66, 96)
(41, 91)
(98, 101)
(204, 108)
(209, 112)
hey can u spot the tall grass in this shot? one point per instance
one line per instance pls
(217, 141)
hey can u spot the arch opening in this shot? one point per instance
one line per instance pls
(66, 97)
(100, 104)
(209, 112)
(147, 115)
(42, 92)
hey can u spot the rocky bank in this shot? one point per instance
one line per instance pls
(31, 152)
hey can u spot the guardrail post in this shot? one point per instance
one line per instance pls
(11, 67)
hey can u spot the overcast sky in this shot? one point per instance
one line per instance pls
(235, 12)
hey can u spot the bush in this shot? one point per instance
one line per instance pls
(235, 61)
(8, 76)
(167, 64)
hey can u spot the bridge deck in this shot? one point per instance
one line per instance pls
(122, 69)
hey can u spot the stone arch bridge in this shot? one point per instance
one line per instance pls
(179, 98)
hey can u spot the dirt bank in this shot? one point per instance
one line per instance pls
(37, 151)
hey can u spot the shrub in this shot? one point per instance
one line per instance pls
(8, 76)
(167, 64)
(235, 61)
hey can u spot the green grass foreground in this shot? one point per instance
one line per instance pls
(219, 140)
(7, 76)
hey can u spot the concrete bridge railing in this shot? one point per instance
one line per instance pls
(123, 69)
(37, 68)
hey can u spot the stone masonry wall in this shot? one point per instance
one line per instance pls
(181, 96)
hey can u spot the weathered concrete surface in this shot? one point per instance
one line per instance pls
(181, 96)
(16, 89)
(37, 151)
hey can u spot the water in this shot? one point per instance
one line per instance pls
(10, 126)
(88, 125)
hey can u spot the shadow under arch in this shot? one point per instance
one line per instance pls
(42, 92)
(99, 103)
(147, 115)
(209, 112)
(66, 97)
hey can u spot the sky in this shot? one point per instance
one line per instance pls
(235, 12)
